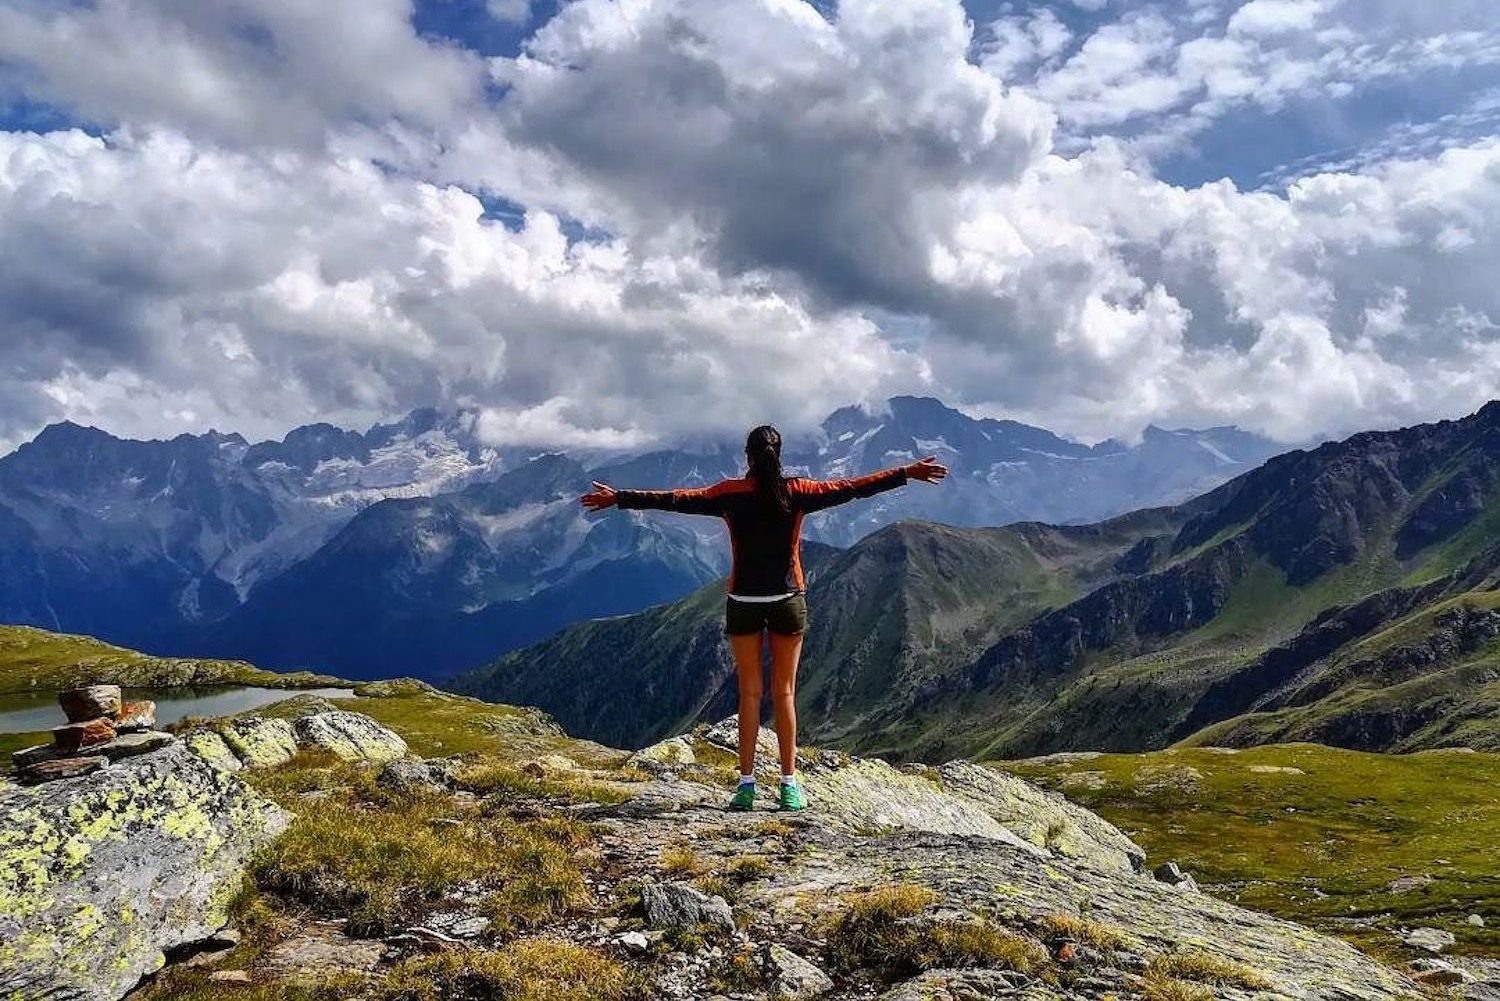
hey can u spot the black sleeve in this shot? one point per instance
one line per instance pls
(703, 500)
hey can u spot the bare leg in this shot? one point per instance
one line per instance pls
(746, 651)
(786, 651)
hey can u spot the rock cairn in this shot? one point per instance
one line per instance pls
(101, 727)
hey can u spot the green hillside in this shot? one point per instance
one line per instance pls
(37, 660)
(1355, 844)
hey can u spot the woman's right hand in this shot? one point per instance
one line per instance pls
(928, 470)
(599, 498)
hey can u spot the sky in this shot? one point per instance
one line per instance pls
(620, 223)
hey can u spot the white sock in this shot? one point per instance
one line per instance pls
(747, 780)
(789, 780)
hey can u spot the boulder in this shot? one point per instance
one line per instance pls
(260, 741)
(90, 702)
(350, 736)
(101, 874)
(673, 905)
(211, 747)
(136, 716)
(76, 736)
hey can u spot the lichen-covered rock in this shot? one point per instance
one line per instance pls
(212, 748)
(350, 736)
(90, 702)
(99, 875)
(816, 863)
(260, 741)
(664, 755)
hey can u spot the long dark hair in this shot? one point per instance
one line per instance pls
(763, 450)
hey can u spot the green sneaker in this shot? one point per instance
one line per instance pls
(744, 798)
(791, 796)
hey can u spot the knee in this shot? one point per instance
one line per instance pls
(783, 690)
(750, 689)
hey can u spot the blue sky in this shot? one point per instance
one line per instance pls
(620, 221)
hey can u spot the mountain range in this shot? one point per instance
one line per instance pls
(417, 547)
(1348, 594)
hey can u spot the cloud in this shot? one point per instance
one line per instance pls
(154, 285)
(732, 211)
(248, 72)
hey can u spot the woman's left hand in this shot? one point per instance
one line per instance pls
(601, 497)
(928, 470)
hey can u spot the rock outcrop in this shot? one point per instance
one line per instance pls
(101, 874)
(350, 736)
(989, 851)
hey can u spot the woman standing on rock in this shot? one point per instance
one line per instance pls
(764, 511)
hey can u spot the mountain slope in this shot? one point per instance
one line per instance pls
(1170, 621)
(208, 544)
(431, 585)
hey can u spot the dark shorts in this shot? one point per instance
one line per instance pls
(787, 617)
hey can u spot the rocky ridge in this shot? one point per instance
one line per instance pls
(900, 883)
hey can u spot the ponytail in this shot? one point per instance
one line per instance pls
(763, 450)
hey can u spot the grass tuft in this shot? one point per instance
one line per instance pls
(1160, 987)
(539, 969)
(1082, 930)
(1203, 968)
(883, 929)
(383, 860)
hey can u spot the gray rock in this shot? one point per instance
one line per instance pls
(791, 977)
(1476, 920)
(672, 905)
(128, 745)
(1431, 939)
(117, 867)
(412, 775)
(350, 736)
(260, 741)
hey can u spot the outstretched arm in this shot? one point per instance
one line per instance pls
(703, 500)
(815, 495)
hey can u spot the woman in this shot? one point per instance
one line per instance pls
(764, 512)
